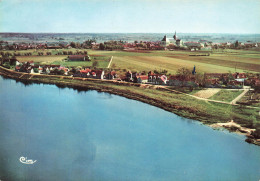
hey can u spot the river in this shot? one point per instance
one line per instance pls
(88, 135)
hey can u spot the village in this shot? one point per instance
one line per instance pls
(183, 78)
(166, 43)
(129, 90)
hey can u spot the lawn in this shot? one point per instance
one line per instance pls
(226, 95)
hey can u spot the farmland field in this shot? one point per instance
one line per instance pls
(101, 64)
(42, 59)
(218, 61)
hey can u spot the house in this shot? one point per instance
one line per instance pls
(213, 83)
(47, 70)
(157, 78)
(31, 63)
(174, 81)
(142, 79)
(77, 58)
(85, 72)
(32, 71)
(88, 73)
(215, 75)
(194, 45)
(177, 80)
(111, 75)
(257, 83)
(17, 68)
(152, 77)
(17, 63)
(97, 74)
(40, 69)
(239, 75)
(129, 76)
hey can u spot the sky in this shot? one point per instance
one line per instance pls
(130, 16)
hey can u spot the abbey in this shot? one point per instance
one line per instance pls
(175, 41)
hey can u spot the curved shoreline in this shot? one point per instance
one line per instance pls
(109, 87)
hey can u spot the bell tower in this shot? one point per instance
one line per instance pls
(175, 36)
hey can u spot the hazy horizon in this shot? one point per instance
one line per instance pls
(125, 16)
(128, 33)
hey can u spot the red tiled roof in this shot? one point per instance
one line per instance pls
(142, 77)
(85, 71)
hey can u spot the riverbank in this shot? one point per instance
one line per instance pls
(180, 104)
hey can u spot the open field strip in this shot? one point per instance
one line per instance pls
(49, 58)
(213, 63)
(171, 64)
(207, 93)
(226, 64)
(236, 59)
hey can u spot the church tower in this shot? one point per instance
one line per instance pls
(175, 36)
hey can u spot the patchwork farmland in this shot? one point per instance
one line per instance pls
(217, 62)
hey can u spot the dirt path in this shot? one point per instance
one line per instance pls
(110, 62)
(239, 97)
(207, 93)
(205, 99)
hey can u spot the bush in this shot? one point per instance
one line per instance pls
(35, 70)
(256, 133)
(6, 65)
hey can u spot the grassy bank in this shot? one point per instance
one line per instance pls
(180, 104)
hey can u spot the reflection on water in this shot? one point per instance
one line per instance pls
(79, 135)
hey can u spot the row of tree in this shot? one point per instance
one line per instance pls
(8, 54)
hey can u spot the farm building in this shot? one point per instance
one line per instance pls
(142, 79)
(78, 58)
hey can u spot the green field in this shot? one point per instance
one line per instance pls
(226, 95)
(101, 64)
(103, 61)
(218, 61)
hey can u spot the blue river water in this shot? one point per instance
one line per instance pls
(87, 135)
